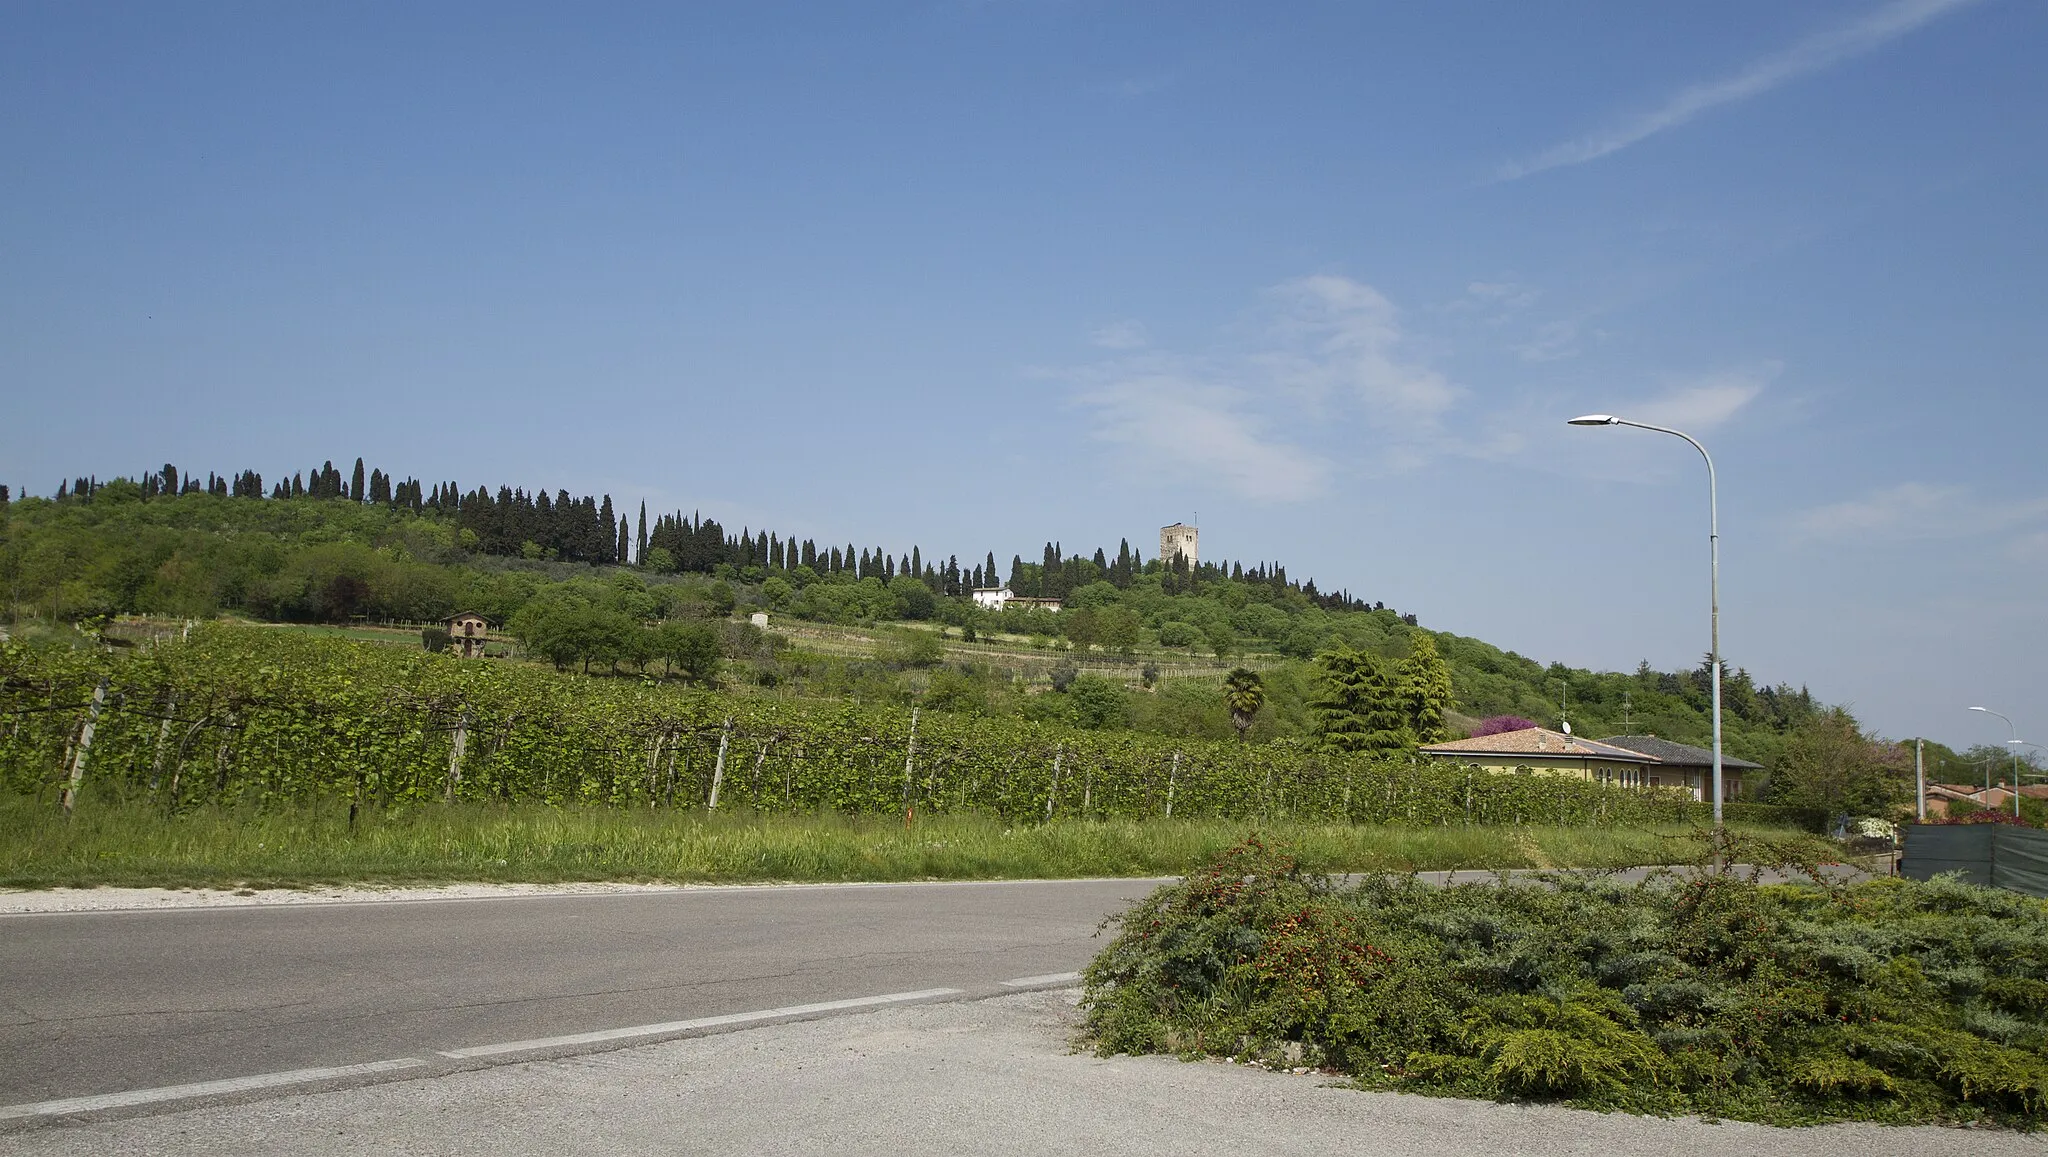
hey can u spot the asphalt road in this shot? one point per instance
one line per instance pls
(105, 1002)
(996, 1077)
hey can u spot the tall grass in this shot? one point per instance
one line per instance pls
(126, 844)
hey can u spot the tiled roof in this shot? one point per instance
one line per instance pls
(1538, 741)
(1678, 754)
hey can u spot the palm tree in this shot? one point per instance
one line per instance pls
(1243, 693)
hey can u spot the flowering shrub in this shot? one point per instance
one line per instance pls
(1498, 724)
(1888, 1000)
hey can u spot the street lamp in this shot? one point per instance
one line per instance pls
(2015, 755)
(1713, 584)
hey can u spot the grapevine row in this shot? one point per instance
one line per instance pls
(238, 716)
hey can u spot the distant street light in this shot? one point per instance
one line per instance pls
(2015, 755)
(1713, 586)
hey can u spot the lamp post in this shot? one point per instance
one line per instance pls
(1713, 588)
(2015, 732)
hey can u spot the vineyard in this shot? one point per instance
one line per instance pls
(238, 716)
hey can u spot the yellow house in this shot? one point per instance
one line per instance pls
(1548, 752)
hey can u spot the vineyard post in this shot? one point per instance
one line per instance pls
(455, 754)
(220, 757)
(909, 768)
(718, 772)
(654, 766)
(754, 784)
(163, 736)
(1054, 794)
(1172, 778)
(92, 720)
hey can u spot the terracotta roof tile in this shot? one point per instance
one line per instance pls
(1540, 741)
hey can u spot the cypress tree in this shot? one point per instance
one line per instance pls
(355, 483)
(625, 542)
(298, 488)
(640, 553)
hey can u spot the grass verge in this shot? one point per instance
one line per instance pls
(135, 845)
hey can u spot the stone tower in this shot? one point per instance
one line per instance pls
(1181, 539)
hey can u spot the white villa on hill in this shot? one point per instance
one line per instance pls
(996, 598)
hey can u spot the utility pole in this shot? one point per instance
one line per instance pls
(1920, 776)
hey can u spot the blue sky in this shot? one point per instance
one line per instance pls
(979, 275)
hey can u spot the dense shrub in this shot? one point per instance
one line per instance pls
(1890, 1000)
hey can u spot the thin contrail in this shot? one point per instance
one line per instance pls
(1810, 55)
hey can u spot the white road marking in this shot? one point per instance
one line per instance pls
(611, 1034)
(1039, 981)
(202, 1089)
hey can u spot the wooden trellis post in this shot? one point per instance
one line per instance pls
(455, 755)
(718, 772)
(69, 797)
(909, 769)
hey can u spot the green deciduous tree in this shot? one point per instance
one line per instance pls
(1119, 629)
(689, 649)
(1829, 764)
(1097, 703)
(1079, 626)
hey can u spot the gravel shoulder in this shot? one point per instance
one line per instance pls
(993, 1076)
(30, 901)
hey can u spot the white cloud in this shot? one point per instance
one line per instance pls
(1123, 334)
(1913, 511)
(1178, 423)
(1552, 341)
(1706, 404)
(1323, 357)
(1335, 336)
(1508, 295)
(1816, 52)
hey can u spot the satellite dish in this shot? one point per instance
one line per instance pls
(1567, 727)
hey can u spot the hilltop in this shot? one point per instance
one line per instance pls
(1141, 643)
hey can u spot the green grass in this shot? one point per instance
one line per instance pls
(133, 845)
